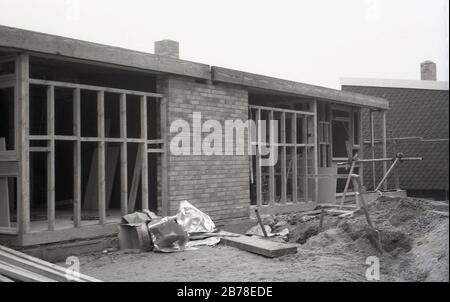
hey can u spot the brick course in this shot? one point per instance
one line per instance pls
(217, 184)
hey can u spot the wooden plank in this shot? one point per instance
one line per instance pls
(144, 155)
(315, 151)
(77, 158)
(4, 194)
(305, 160)
(258, 160)
(135, 180)
(77, 50)
(164, 158)
(51, 158)
(271, 167)
(294, 157)
(123, 156)
(288, 207)
(22, 115)
(101, 181)
(372, 147)
(283, 159)
(33, 267)
(258, 246)
(225, 75)
(42, 263)
(94, 88)
(384, 146)
(17, 273)
(5, 279)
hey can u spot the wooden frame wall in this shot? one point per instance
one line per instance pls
(100, 141)
(308, 147)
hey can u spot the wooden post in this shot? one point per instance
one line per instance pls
(101, 186)
(283, 158)
(164, 158)
(258, 159)
(144, 153)
(294, 158)
(272, 142)
(22, 131)
(305, 159)
(51, 158)
(123, 156)
(396, 174)
(383, 142)
(5, 220)
(315, 152)
(77, 158)
(372, 147)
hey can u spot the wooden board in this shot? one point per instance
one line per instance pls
(258, 246)
(42, 263)
(4, 194)
(17, 273)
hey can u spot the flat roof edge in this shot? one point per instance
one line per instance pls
(225, 75)
(395, 83)
(26, 40)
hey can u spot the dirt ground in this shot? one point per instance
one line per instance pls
(414, 239)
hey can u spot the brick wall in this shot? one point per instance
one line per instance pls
(217, 184)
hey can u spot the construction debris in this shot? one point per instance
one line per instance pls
(17, 266)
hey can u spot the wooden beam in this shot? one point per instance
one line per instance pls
(164, 158)
(294, 155)
(22, 103)
(372, 147)
(101, 185)
(305, 161)
(271, 167)
(24, 258)
(83, 51)
(94, 88)
(384, 146)
(315, 151)
(258, 159)
(225, 75)
(283, 158)
(17, 273)
(77, 158)
(144, 155)
(4, 194)
(123, 156)
(51, 158)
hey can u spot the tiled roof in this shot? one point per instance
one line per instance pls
(414, 112)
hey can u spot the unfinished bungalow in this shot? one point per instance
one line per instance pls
(85, 133)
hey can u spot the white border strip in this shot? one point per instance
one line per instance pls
(392, 83)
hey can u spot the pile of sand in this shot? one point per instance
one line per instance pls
(415, 240)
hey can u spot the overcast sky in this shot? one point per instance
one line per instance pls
(315, 42)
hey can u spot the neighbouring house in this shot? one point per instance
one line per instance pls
(85, 134)
(417, 123)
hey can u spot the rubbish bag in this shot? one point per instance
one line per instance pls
(193, 220)
(167, 235)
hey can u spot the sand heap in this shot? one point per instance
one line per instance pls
(415, 240)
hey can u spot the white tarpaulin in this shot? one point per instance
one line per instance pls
(193, 220)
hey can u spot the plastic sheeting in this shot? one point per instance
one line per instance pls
(193, 220)
(167, 235)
